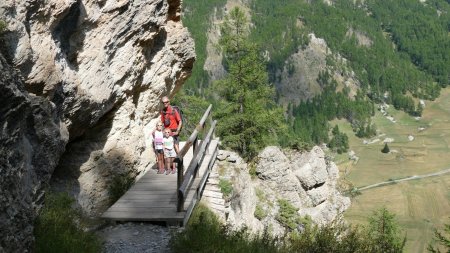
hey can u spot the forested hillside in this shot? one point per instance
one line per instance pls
(398, 50)
(198, 18)
(374, 53)
(394, 52)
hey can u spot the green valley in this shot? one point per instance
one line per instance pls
(422, 204)
(393, 54)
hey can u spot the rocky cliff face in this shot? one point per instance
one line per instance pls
(32, 140)
(298, 79)
(306, 179)
(94, 72)
(89, 57)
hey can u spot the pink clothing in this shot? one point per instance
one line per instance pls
(158, 137)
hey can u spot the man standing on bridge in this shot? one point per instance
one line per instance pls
(171, 119)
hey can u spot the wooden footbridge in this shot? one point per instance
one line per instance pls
(171, 198)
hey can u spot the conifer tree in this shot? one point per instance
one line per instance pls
(385, 149)
(248, 116)
(442, 239)
(384, 233)
(339, 142)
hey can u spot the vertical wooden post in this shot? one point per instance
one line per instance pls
(180, 178)
(194, 145)
(211, 121)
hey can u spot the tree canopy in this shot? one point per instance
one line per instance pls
(248, 116)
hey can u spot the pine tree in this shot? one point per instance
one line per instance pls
(385, 149)
(442, 239)
(384, 233)
(248, 116)
(339, 142)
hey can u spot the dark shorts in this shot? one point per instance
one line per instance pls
(175, 137)
(160, 151)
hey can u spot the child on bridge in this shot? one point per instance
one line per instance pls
(158, 148)
(169, 151)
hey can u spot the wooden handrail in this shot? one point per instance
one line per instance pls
(184, 187)
(192, 140)
(194, 134)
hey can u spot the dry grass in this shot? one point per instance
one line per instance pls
(419, 205)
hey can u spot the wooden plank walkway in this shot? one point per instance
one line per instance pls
(154, 196)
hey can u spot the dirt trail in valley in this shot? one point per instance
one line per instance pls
(414, 177)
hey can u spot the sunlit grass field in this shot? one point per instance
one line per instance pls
(420, 205)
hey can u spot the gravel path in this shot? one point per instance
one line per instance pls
(133, 237)
(415, 177)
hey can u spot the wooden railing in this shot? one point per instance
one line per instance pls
(186, 179)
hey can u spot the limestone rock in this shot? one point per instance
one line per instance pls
(306, 179)
(105, 65)
(297, 81)
(319, 195)
(311, 169)
(89, 56)
(272, 164)
(31, 141)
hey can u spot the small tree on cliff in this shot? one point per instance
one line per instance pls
(248, 116)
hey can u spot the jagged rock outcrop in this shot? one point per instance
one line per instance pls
(98, 70)
(308, 180)
(298, 80)
(32, 140)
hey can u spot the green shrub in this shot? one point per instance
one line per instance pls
(288, 214)
(260, 194)
(260, 213)
(382, 235)
(336, 238)
(252, 170)
(226, 187)
(3, 26)
(57, 228)
(119, 186)
(205, 233)
(300, 145)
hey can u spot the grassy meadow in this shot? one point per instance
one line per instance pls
(420, 205)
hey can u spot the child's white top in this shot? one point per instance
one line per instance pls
(168, 142)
